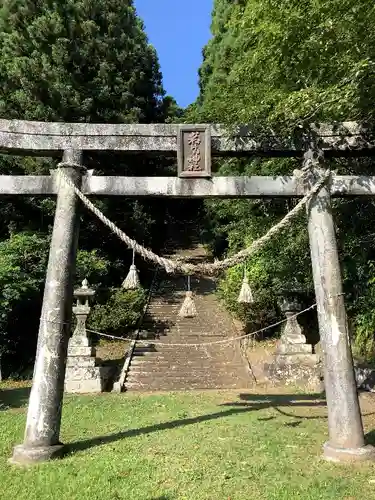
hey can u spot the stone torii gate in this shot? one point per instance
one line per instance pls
(193, 146)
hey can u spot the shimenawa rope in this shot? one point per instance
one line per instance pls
(173, 266)
(214, 342)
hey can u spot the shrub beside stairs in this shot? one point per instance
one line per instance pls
(159, 365)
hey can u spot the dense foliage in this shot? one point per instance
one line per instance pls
(279, 66)
(77, 61)
(120, 313)
(74, 61)
(289, 61)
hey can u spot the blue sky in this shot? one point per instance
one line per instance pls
(178, 29)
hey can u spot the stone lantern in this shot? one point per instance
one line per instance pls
(82, 374)
(294, 361)
(292, 340)
(81, 311)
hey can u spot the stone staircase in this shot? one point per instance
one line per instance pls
(160, 365)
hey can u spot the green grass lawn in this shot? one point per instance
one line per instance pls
(212, 445)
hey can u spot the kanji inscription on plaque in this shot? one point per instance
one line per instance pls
(194, 151)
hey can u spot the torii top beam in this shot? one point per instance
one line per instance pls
(193, 146)
(50, 139)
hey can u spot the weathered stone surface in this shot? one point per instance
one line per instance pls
(286, 348)
(307, 376)
(119, 384)
(362, 454)
(28, 184)
(194, 151)
(44, 411)
(344, 418)
(79, 361)
(79, 341)
(292, 333)
(23, 455)
(18, 135)
(74, 350)
(309, 373)
(217, 187)
(296, 359)
(84, 386)
(220, 187)
(89, 380)
(82, 372)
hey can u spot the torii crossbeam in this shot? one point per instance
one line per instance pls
(193, 146)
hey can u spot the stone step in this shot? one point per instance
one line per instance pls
(140, 351)
(167, 311)
(173, 321)
(186, 354)
(152, 335)
(202, 379)
(188, 350)
(177, 325)
(182, 357)
(167, 341)
(159, 364)
(168, 338)
(201, 374)
(182, 362)
(184, 347)
(176, 365)
(192, 368)
(198, 361)
(182, 385)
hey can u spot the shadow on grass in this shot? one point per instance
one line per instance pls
(254, 403)
(14, 398)
(277, 400)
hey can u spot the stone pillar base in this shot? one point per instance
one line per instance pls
(83, 380)
(87, 380)
(301, 359)
(24, 455)
(299, 370)
(82, 375)
(293, 349)
(333, 454)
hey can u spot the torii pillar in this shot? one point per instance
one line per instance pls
(41, 441)
(346, 436)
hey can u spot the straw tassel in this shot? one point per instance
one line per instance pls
(188, 309)
(131, 282)
(246, 295)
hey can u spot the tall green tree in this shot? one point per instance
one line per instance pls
(289, 61)
(75, 61)
(280, 66)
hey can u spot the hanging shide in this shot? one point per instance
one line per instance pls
(188, 309)
(246, 295)
(132, 282)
